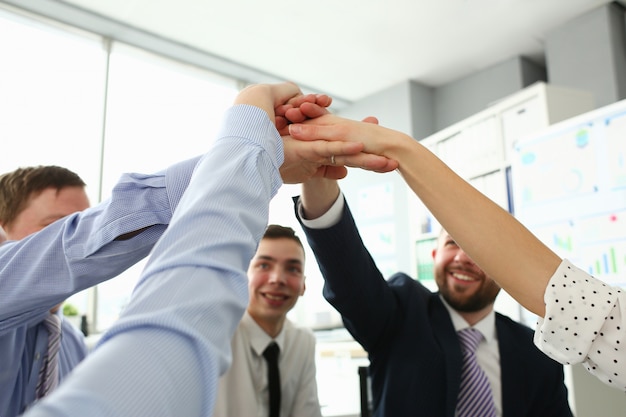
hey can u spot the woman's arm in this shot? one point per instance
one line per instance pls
(494, 239)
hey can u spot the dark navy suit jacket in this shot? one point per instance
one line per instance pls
(414, 352)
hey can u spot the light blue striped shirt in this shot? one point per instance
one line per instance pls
(165, 354)
(72, 254)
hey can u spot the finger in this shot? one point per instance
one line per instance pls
(281, 125)
(347, 154)
(313, 110)
(371, 119)
(304, 112)
(319, 99)
(282, 109)
(294, 115)
(367, 161)
(297, 101)
(317, 152)
(323, 100)
(391, 166)
(316, 132)
(326, 150)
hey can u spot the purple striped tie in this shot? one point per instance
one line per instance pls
(475, 398)
(49, 372)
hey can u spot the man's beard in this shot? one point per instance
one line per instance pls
(468, 304)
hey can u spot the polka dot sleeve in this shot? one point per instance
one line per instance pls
(583, 324)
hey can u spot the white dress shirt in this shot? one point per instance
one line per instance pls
(243, 390)
(487, 352)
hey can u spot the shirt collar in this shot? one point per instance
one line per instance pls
(487, 326)
(257, 336)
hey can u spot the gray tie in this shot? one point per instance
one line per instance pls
(49, 372)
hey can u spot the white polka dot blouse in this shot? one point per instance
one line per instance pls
(584, 323)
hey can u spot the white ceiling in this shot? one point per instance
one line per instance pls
(353, 48)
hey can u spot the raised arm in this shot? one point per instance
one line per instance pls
(317, 196)
(494, 239)
(85, 249)
(165, 354)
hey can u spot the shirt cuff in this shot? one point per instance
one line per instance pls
(326, 220)
(577, 305)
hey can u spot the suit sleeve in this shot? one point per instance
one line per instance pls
(353, 284)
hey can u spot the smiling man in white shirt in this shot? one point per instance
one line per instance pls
(275, 282)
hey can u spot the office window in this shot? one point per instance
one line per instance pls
(57, 91)
(51, 98)
(51, 101)
(159, 112)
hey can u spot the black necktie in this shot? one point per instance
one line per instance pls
(273, 377)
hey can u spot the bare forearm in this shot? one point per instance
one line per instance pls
(495, 240)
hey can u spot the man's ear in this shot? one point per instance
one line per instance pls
(434, 253)
(303, 287)
(4, 232)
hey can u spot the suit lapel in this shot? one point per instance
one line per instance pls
(445, 335)
(511, 370)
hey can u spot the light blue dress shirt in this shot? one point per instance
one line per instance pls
(165, 354)
(72, 254)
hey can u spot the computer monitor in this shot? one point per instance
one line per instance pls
(569, 189)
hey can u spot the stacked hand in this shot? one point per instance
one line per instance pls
(299, 109)
(304, 159)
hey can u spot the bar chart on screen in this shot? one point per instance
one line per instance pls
(569, 189)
